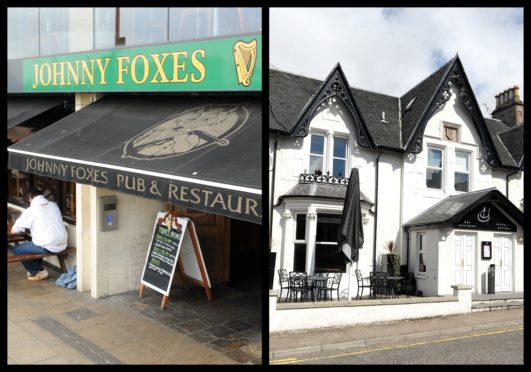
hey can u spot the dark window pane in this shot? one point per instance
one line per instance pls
(328, 259)
(301, 227)
(340, 148)
(461, 181)
(299, 259)
(435, 158)
(433, 178)
(327, 227)
(19, 185)
(317, 144)
(339, 168)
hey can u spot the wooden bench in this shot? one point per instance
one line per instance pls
(61, 256)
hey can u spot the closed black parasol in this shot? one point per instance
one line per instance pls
(350, 237)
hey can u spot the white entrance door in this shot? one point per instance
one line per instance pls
(502, 253)
(465, 245)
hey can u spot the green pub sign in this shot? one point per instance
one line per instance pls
(228, 64)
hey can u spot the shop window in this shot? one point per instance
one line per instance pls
(434, 170)
(61, 192)
(421, 238)
(318, 155)
(140, 26)
(22, 32)
(190, 23)
(104, 28)
(462, 171)
(327, 257)
(299, 254)
(65, 30)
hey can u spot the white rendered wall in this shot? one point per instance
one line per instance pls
(118, 256)
(292, 159)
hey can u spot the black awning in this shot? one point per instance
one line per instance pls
(22, 108)
(198, 152)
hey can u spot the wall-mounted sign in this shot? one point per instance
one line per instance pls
(225, 64)
(486, 217)
(486, 250)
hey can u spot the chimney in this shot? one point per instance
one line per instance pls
(509, 107)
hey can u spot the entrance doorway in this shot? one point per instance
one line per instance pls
(465, 245)
(502, 256)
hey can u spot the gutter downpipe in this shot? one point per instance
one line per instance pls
(407, 247)
(376, 211)
(273, 169)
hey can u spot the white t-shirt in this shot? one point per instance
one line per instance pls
(45, 222)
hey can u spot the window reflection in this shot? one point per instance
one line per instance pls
(65, 30)
(139, 26)
(23, 32)
(104, 27)
(190, 23)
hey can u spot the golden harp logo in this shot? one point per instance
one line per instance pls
(191, 130)
(245, 60)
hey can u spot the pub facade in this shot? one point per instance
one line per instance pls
(437, 178)
(118, 113)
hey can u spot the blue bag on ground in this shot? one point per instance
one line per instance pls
(68, 279)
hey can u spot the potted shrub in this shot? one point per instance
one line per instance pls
(393, 257)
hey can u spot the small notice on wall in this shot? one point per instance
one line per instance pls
(174, 241)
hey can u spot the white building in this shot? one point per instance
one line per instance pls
(429, 163)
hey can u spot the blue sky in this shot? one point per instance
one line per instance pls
(390, 50)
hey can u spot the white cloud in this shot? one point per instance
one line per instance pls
(390, 51)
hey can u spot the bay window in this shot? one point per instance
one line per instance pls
(327, 257)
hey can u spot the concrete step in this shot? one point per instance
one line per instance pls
(497, 305)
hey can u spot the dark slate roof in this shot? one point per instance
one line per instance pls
(513, 140)
(288, 94)
(371, 106)
(321, 190)
(424, 92)
(454, 207)
(495, 127)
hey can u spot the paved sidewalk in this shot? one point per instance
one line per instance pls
(52, 325)
(295, 343)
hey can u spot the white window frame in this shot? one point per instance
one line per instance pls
(442, 150)
(331, 164)
(469, 155)
(328, 152)
(323, 155)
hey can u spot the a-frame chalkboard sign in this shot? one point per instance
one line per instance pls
(174, 242)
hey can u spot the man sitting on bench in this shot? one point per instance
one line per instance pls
(48, 233)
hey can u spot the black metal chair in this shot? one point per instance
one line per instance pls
(334, 286)
(298, 284)
(378, 283)
(318, 285)
(361, 285)
(408, 285)
(283, 280)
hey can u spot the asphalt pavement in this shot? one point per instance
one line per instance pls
(285, 344)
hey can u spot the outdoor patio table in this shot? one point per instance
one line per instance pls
(317, 282)
(393, 283)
